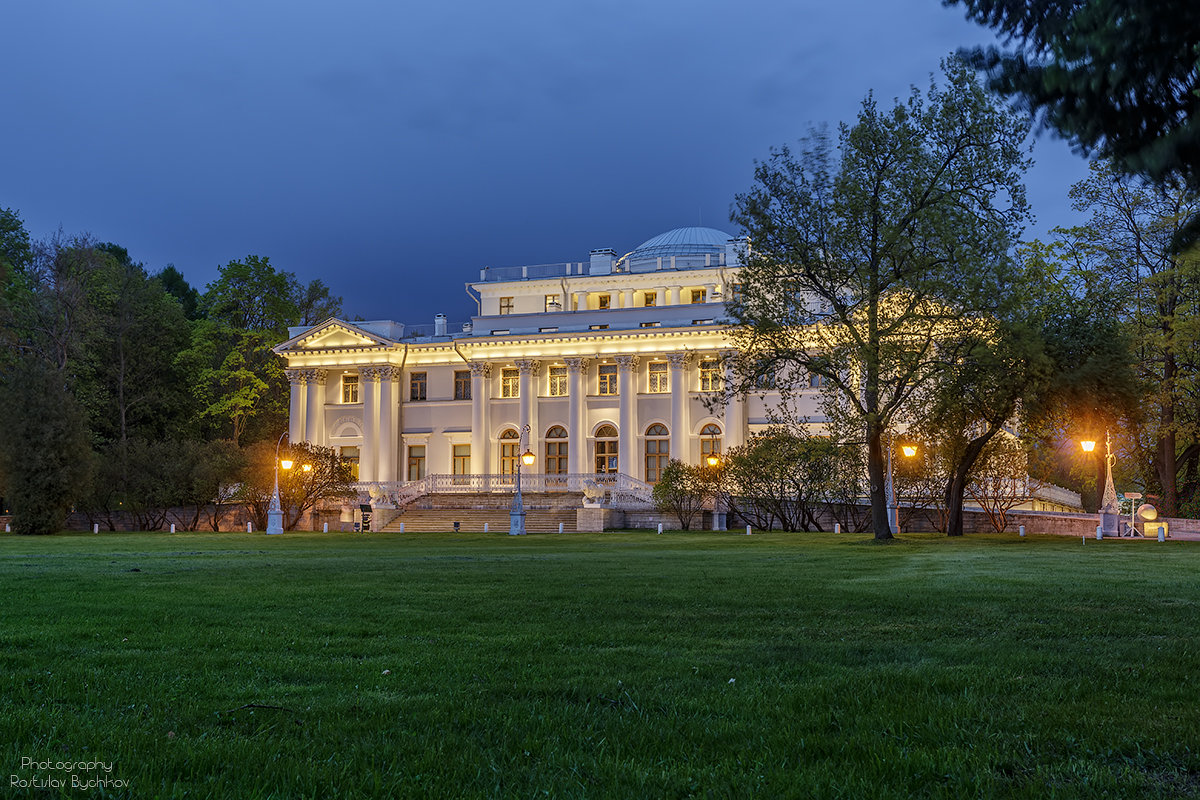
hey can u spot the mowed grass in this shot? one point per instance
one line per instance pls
(614, 665)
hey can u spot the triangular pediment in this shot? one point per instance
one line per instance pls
(333, 334)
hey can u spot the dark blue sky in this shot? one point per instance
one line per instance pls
(393, 148)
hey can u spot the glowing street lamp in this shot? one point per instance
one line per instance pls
(1108, 502)
(275, 511)
(516, 517)
(909, 450)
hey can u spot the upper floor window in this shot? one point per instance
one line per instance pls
(650, 298)
(710, 375)
(462, 384)
(506, 305)
(657, 383)
(604, 301)
(417, 385)
(349, 388)
(608, 379)
(552, 303)
(735, 292)
(558, 381)
(510, 383)
(699, 296)
(816, 381)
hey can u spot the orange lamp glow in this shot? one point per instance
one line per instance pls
(1088, 445)
(909, 450)
(286, 463)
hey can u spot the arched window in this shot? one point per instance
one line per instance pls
(606, 449)
(556, 451)
(710, 441)
(510, 444)
(658, 448)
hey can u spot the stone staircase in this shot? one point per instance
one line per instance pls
(441, 520)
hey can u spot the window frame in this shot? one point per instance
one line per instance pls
(607, 380)
(658, 378)
(462, 384)
(506, 306)
(418, 386)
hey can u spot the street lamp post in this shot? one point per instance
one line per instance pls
(893, 509)
(275, 511)
(713, 459)
(1109, 508)
(516, 517)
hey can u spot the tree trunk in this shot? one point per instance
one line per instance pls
(877, 474)
(956, 488)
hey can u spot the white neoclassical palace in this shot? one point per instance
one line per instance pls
(608, 362)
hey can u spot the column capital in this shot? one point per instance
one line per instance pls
(315, 376)
(626, 363)
(389, 373)
(296, 375)
(370, 373)
(679, 360)
(479, 369)
(528, 366)
(576, 365)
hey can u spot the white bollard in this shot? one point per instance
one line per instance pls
(7, 528)
(1099, 532)
(402, 527)
(96, 527)
(326, 529)
(747, 530)
(1021, 531)
(560, 527)
(249, 527)
(485, 527)
(1162, 535)
(172, 527)
(837, 527)
(660, 527)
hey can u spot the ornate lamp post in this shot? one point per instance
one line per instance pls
(713, 459)
(275, 511)
(516, 517)
(1109, 508)
(893, 509)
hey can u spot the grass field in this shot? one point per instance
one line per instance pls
(614, 665)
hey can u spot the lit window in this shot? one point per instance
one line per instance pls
(462, 385)
(603, 301)
(349, 388)
(710, 442)
(552, 303)
(506, 305)
(608, 379)
(558, 381)
(658, 378)
(699, 295)
(461, 463)
(510, 383)
(417, 386)
(606, 449)
(650, 324)
(710, 376)
(556, 451)
(510, 442)
(597, 327)
(650, 298)
(350, 456)
(416, 462)
(658, 447)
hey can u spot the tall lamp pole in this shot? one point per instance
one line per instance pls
(275, 512)
(713, 459)
(893, 508)
(516, 517)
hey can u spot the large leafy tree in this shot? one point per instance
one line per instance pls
(862, 262)
(1117, 77)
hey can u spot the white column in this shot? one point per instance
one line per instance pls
(296, 430)
(576, 409)
(314, 415)
(580, 303)
(480, 372)
(735, 410)
(627, 386)
(368, 387)
(387, 423)
(673, 295)
(681, 426)
(627, 298)
(527, 414)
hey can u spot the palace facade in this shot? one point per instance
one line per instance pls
(606, 366)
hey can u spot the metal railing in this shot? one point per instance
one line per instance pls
(618, 490)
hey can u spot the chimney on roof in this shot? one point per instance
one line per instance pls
(602, 261)
(439, 325)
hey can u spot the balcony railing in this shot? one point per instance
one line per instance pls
(619, 490)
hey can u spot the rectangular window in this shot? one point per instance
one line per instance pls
(816, 381)
(603, 301)
(710, 376)
(461, 463)
(699, 295)
(548, 330)
(597, 327)
(506, 305)
(416, 462)
(650, 298)
(658, 378)
(735, 292)
(350, 456)
(558, 381)
(649, 324)
(608, 379)
(417, 386)
(510, 383)
(349, 388)
(462, 384)
(552, 303)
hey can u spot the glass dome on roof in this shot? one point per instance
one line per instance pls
(682, 248)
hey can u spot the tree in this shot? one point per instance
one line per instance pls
(1118, 77)
(251, 295)
(682, 490)
(300, 489)
(15, 250)
(782, 478)
(315, 304)
(859, 265)
(174, 284)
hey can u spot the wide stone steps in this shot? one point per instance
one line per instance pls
(443, 519)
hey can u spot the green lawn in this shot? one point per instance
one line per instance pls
(615, 665)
